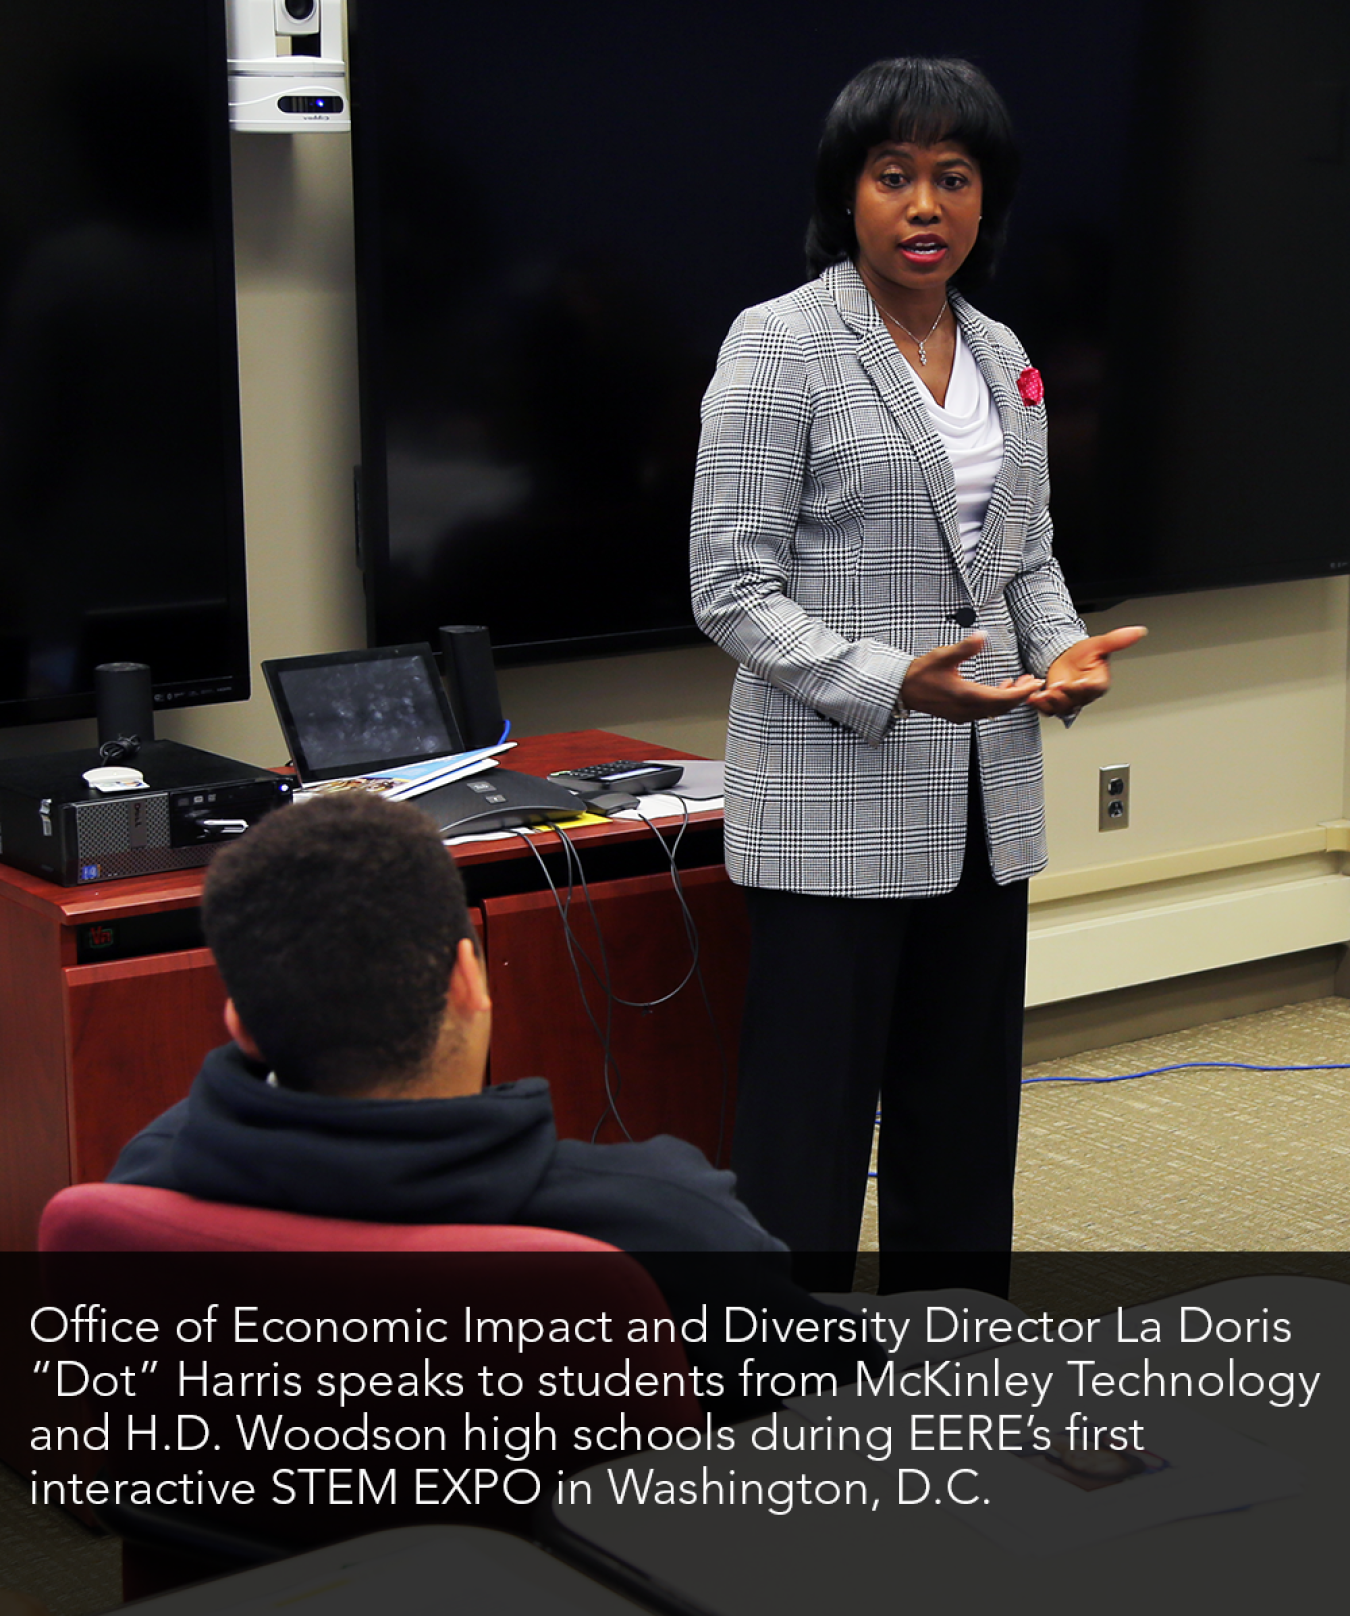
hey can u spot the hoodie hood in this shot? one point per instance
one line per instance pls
(478, 1158)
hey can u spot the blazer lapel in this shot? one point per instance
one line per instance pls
(999, 366)
(898, 388)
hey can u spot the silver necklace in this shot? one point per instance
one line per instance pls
(918, 341)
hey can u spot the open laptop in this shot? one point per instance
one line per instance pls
(380, 720)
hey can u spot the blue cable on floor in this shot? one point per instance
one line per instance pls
(1181, 1066)
(1190, 1066)
(1185, 1066)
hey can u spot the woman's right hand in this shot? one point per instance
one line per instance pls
(935, 684)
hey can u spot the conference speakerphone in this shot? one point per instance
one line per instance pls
(502, 799)
(53, 823)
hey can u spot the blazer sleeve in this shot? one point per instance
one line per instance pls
(752, 463)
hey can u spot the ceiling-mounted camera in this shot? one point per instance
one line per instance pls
(286, 65)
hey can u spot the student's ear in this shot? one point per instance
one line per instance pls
(240, 1033)
(469, 994)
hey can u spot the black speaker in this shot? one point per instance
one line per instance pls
(471, 682)
(124, 702)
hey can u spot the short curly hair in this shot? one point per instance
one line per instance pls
(925, 100)
(335, 925)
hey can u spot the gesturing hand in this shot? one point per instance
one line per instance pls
(935, 684)
(1083, 672)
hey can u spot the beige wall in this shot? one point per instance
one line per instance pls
(1232, 715)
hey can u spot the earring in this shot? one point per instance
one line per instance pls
(849, 211)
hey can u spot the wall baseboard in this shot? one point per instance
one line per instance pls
(1152, 1009)
(1069, 956)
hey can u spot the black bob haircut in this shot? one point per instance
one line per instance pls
(922, 100)
(335, 925)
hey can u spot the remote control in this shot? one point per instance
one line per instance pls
(627, 774)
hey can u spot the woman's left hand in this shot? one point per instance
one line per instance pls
(1082, 673)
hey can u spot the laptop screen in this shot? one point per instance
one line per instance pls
(356, 712)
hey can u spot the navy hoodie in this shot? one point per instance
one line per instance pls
(493, 1157)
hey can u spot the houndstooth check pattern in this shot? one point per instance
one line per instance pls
(826, 556)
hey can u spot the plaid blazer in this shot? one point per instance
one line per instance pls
(825, 557)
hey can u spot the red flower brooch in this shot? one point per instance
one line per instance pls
(1030, 386)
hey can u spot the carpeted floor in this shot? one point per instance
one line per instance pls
(1191, 1161)
(1195, 1160)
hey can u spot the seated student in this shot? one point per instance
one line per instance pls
(354, 1085)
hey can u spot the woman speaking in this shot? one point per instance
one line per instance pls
(871, 542)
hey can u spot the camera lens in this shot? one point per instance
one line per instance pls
(300, 10)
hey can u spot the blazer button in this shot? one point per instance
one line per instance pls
(965, 617)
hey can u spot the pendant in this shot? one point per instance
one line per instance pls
(923, 354)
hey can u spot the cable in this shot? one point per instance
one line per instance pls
(504, 733)
(578, 955)
(691, 930)
(574, 948)
(607, 987)
(615, 1088)
(1180, 1066)
(1190, 1066)
(1185, 1066)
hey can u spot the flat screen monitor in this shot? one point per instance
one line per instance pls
(121, 520)
(560, 211)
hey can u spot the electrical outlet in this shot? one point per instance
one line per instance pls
(1113, 797)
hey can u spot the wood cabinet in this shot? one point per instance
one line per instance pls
(89, 1052)
(636, 1037)
(91, 1049)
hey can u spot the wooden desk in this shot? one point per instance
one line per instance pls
(95, 1047)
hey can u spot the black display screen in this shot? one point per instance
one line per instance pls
(360, 716)
(357, 712)
(561, 210)
(121, 526)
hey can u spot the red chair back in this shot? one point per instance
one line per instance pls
(132, 1217)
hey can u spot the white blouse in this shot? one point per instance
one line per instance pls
(968, 425)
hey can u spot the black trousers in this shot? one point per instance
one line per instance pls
(917, 1002)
